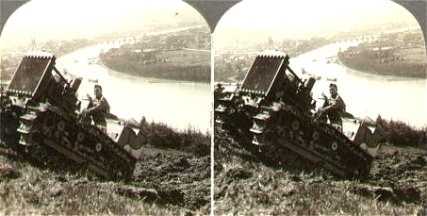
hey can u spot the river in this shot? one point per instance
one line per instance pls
(180, 105)
(185, 104)
(396, 98)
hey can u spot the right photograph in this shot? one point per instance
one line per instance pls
(320, 108)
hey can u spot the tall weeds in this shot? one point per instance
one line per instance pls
(401, 134)
(191, 141)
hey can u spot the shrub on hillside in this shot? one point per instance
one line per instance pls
(161, 136)
(401, 134)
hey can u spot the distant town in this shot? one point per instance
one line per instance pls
(403, 51)
(157, 24)
(232, 64)
(188, 50)
(399, 53)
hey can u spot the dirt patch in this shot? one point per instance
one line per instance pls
(9, 173)
(179, 178)
(148, 195)
(238, 173)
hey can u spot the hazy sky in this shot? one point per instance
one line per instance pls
(66, 19)
(52, 19)
(307, 18)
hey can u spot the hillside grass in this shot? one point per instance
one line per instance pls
(280, 192)
(34, 191)
(246, 186)
(29, 189)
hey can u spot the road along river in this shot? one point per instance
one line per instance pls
(365, 94)
(181, 105)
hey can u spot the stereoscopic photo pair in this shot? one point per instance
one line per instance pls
(213, 107)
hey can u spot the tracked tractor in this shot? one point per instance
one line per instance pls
(273, 110)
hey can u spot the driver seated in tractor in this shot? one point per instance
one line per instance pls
(333, 108)
(97, 109)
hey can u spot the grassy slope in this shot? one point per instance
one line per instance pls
(41, 191)
(162, 185)
(244, 185)
(25, 189)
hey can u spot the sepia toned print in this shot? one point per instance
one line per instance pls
(312, 109)
(105, 109)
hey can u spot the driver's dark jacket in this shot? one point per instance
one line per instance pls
(98, 108)
(334, 108)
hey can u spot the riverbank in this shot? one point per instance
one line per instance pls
(367, 64)
(180, 54)
(400, 54)
(184, 65)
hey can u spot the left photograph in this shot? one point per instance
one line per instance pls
(105, 109)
